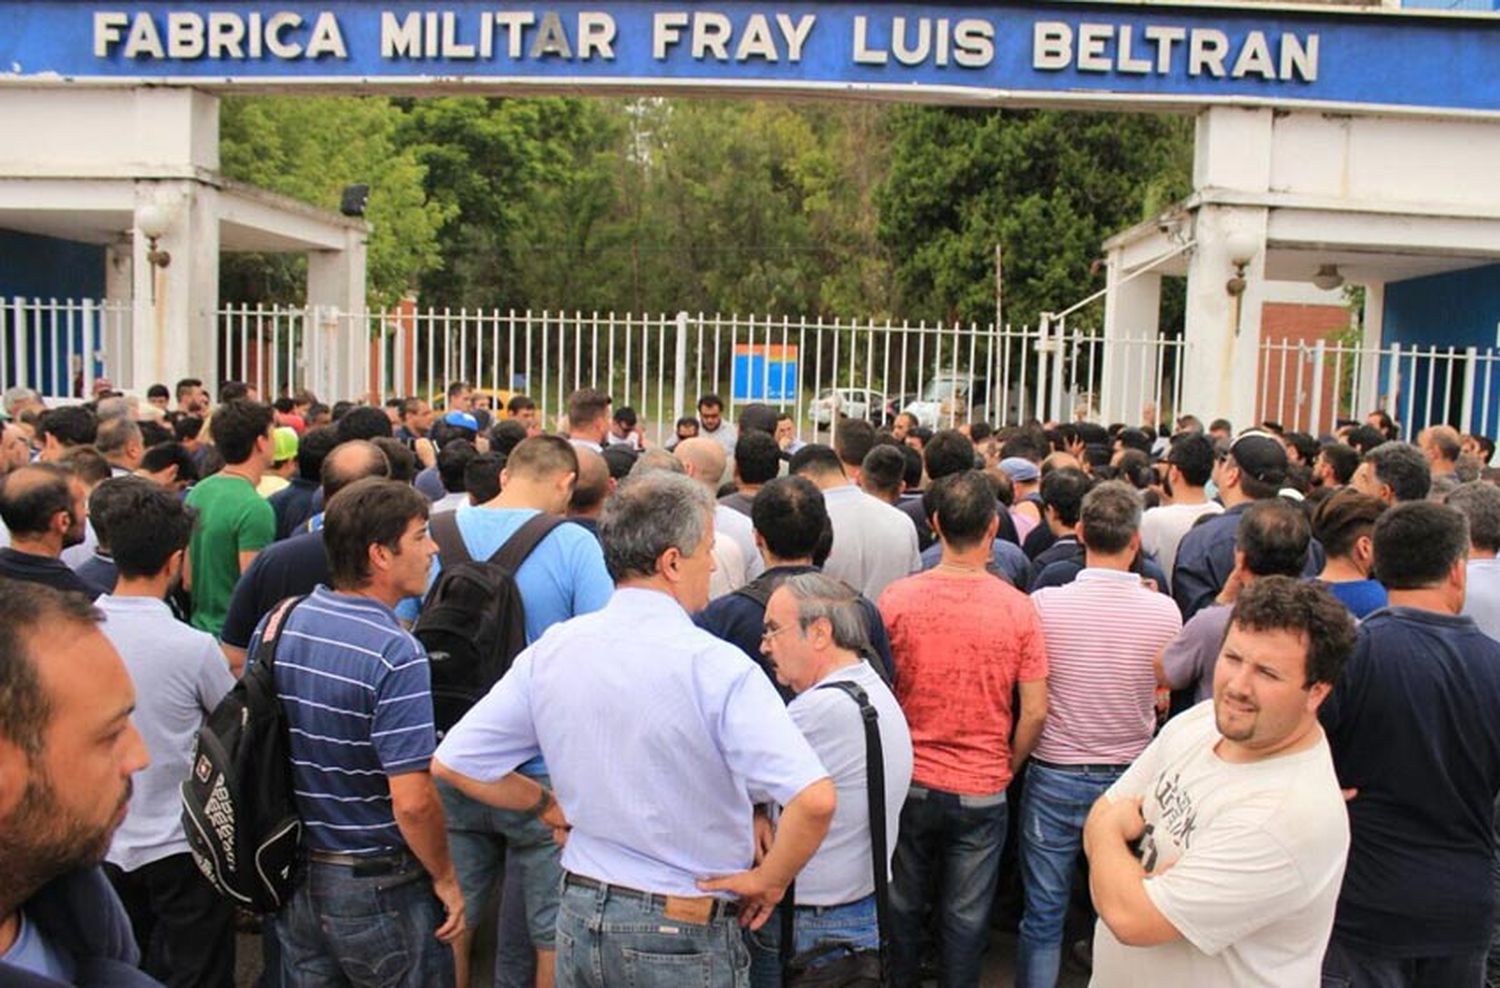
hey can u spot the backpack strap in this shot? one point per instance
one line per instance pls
(761, 588)
(270, 635)
(514, 551)
(444, 529)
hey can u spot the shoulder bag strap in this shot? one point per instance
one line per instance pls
(515, 549)
(451, 548)
(875, 792)
(270, 636)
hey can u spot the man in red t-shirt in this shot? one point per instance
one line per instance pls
(961, 640)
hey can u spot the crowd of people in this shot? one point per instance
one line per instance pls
(1192, 706)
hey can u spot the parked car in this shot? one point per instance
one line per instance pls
(947, 398)
(849, 403)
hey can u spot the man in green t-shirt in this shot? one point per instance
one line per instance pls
(234, 522)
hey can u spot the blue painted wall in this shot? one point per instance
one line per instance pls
(1458, 309)
(47, 268)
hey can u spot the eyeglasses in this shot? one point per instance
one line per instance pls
(770, 633)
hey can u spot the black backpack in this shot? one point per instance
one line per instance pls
(473, 623)
(237, 803)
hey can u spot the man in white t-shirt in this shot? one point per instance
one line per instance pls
(1217, 859)
(1190, 463)
(816, 635)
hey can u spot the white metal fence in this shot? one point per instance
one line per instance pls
(660, 364)
(1310, 387)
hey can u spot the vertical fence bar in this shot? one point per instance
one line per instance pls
(1320, 353)
(1471, 370)
(1411, 388)
(1489, 368)
(1447, 390)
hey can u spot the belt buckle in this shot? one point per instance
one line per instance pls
(698, 910)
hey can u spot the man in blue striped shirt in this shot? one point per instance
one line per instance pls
(357, 693)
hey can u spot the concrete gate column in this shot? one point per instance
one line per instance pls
(175, 332)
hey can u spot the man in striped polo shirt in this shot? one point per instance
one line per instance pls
(1103, 633)
(357, 694)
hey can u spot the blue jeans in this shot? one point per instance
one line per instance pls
(1053, 810)
(953, 841)
(854, 923)
(372, 931)
(607, 939)
(475, 832)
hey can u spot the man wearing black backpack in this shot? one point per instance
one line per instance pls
(560, 576)
(379, 902)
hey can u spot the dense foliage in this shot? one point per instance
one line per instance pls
(835, 209)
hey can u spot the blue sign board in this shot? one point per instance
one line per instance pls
(765, 372)
(1034, 53)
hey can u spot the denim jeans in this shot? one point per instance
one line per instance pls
(854, 923)
(607, 939)
(953, 842)
(1053, 810)
(374, 931)
(481, 836)
(1346, 966)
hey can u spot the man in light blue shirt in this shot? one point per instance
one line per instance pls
(660, 739)
(563, 577)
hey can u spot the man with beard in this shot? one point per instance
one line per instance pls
(43, 506)
(1216, 859)
(67, 752)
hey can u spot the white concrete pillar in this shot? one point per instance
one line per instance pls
(1132, 316)
(1222, 331)
(336, 354)
(175, 331)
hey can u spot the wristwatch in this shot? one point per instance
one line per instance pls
(543, 801)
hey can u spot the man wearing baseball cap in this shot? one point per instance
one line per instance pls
(1253, 468)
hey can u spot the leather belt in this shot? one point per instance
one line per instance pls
(1098, 768)
(365, 865)
(697, 909)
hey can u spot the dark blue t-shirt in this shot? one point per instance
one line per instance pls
(1414, 725)
(739, 620)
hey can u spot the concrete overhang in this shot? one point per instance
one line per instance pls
(1370, 243)
(95, 210)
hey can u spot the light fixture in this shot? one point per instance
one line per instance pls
(354, 200)
(1328, 277)
(153, 222)
(1241, 249)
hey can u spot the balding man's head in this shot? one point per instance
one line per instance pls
(704, 459)
(351, 461)
(592, 486)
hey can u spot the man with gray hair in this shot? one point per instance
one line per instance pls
(815, 637)
(119, 440)
(1479, 502)
(1394, 472)
(660, 739)
(19, 401)
(1101, 711)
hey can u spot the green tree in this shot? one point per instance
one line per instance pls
(1047, 186)
(310, 148)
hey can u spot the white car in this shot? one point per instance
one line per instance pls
(849, 403)
(945, 400)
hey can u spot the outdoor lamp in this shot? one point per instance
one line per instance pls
(1328, 277)
(1241, 248)
(153, 221)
